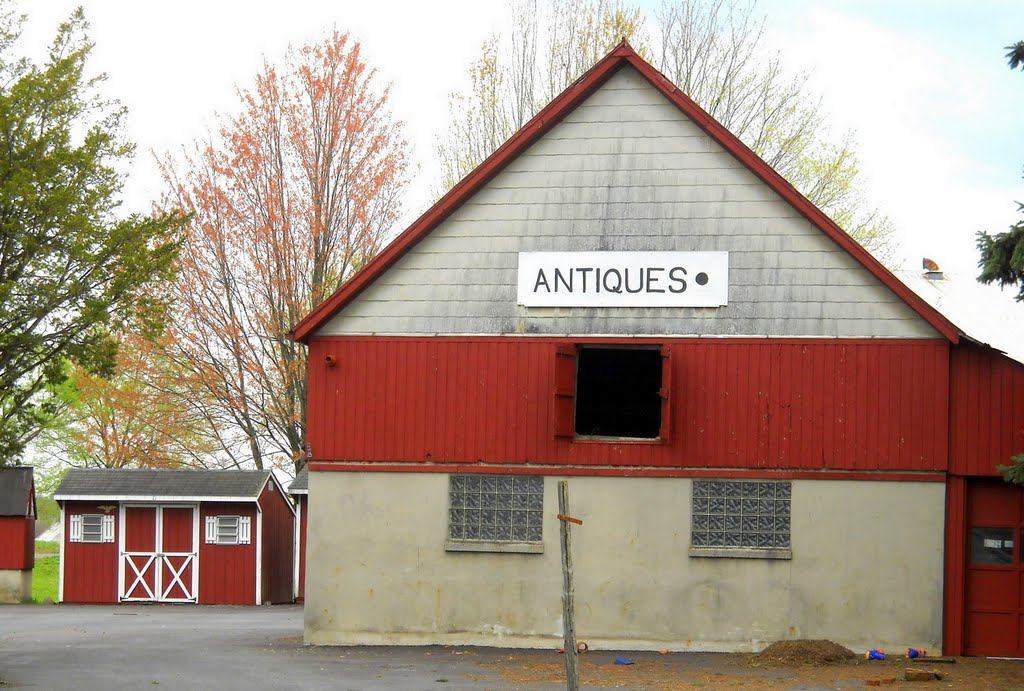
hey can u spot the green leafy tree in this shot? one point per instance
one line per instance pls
(712, 49)
(1002, 257)
(71, 270)
(1015, 56)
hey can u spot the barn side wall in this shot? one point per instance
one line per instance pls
(278, 546)
(743, 403)
(866, 560)
(227, 573)
(986, 410)
(90, 569)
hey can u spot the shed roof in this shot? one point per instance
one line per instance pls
(300, 485)
(622, 56)
(16, 492)
(159, 485)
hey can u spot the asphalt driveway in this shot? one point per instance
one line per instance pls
(188, 647)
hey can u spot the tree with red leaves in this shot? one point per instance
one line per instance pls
(298, 190)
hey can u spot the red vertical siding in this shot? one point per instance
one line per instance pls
(737, 403)
(986, 410)
(955, 562)
(278, 545)
(90, 569)
(17, 543)
(227, 573)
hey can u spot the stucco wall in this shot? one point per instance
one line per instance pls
(15, 586)
(866, 569)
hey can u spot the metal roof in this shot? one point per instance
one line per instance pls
(16, 491)
(208, 485)
(987, 314)
(300, 485)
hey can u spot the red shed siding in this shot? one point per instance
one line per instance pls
(17, 543)
(737, 403)
(227, 573)
(986, 410)
(90, 569)
(278, 545)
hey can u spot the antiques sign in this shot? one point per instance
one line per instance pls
(623, 279)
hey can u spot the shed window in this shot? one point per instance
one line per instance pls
(495, 513)
(228, 530)
(92, 527)
(606, 391)
(741, 518)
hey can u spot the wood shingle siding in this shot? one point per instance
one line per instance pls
(627, 171)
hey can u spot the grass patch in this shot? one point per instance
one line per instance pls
(44, 579)
(45, 547)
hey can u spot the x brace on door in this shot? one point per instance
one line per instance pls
(140, 576)
(176, 577)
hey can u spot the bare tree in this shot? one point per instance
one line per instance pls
(712, 49)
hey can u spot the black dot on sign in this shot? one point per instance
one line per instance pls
(702, 279)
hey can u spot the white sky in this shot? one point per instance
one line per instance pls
(923, 83)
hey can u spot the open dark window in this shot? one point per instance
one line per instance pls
(619, 392)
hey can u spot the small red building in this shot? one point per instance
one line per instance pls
(17, 534)
(213, 537)
(299, 489)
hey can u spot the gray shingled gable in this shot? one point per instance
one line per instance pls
(101, 482)
(300, 485)
(15, 492)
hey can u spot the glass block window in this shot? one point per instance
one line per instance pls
(744, 515)
(496, 508)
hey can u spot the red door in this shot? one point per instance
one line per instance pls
(158, 557)
(139, 554)
(994, 622)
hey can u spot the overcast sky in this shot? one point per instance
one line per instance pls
(923, 83)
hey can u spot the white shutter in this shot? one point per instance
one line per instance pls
(108, 528)
(211, 530)
(243, 530)
(76, 528)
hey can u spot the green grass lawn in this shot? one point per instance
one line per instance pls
(43, 547)
(45, 573)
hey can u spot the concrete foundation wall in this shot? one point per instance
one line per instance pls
(866, 569)
(15, 586)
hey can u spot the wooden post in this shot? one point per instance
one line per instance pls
(572, 674)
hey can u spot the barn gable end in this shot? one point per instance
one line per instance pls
(627, 170)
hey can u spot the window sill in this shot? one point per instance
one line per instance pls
(740, 553)
(595, 439)
(494, 546)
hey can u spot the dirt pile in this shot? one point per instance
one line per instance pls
(804, 652)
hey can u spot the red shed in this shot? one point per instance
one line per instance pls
(299, 490)
(223, 537)
(17, 534)
(768, 435)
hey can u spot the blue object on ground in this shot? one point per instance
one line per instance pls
(624, 661)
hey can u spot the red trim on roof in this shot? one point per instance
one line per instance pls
(551, 115)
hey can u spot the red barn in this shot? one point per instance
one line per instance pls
(767, 434)
(299, 490)
(212, 537)
(17, 534)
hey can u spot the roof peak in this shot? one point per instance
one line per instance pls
(621, 56)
